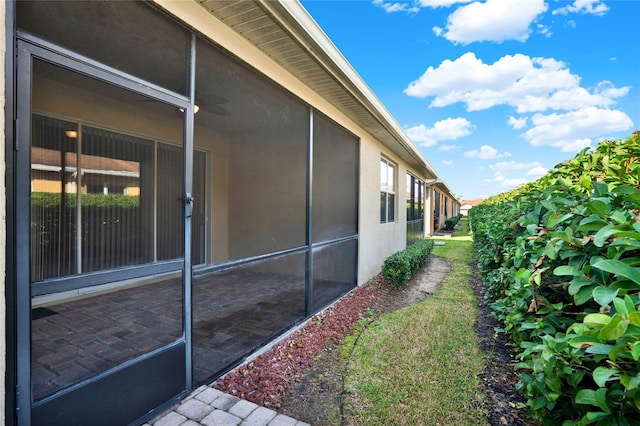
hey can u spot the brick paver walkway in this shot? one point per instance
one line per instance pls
(209, 407)
(234, 313)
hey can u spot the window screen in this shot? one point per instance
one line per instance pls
(335, 181)
(127, 35)
(258, 136)
(387, 191)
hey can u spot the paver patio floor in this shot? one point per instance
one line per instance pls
(234, 313)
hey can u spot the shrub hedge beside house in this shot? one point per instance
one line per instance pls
(561, 259)
(53, 200)
(450, 223)
(398, 268)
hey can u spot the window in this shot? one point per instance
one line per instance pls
(387, 191)
(102, 197)
(107, 199)
(415, 198)
(415, 208)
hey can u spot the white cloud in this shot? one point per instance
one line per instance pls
(513, 165)
(497, 177)
(447, 162)
(391, 7)
(440, 3)
(608, 90)
(517, 123)
(416, 5)
(576, 98)
(525, 83)
(544, 30)
(535, 171)
(486, 152)
(536, 168)
(493, 20)
(448, 147)
(576, 129)
(587, 7)
(512, 183)
(538, 171)
(443, 130)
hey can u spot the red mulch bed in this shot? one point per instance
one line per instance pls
(267, 378)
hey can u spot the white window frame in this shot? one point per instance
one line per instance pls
(388, 186)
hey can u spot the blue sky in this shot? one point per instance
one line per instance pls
(495, 92)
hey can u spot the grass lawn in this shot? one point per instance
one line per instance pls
(420, 365)
(463, 229)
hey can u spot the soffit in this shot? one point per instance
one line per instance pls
(442, 186)
(272, 28)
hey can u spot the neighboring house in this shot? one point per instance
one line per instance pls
(468, 205)
(102, 175)
(185, 182)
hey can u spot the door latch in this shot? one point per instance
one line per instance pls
(188, 202)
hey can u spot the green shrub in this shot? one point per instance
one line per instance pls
(52, 200)
(398, 268)
(561, 259)
(451, 222)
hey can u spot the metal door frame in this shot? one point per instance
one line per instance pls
(84, 393)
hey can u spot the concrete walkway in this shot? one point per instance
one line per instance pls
(210, 407)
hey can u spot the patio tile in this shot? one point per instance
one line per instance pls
(221, 418)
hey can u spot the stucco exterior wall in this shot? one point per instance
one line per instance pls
(378, 240)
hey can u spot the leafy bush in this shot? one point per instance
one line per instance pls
(52, 200)
(451, 222)
(561, 258)
(398, 268)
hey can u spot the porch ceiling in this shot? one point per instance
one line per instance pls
(284, 31)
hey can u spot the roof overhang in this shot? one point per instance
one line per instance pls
(285, 32)
(442, 187)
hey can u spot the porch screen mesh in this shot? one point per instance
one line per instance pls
(91, 211)
(95, 211)
(117, 207)
(53, 213)
(335, 181)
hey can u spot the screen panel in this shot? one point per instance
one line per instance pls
(93, 204)
(334, 272)
(127, 35)
(335, 181)
(238, 310)
(258, 136)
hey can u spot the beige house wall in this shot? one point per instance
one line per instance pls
(378, 240)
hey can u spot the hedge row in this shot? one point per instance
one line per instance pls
(52, 199)
(450, 223)
(398, 268)
(561, 258)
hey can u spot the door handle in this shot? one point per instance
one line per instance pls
(188, 203)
